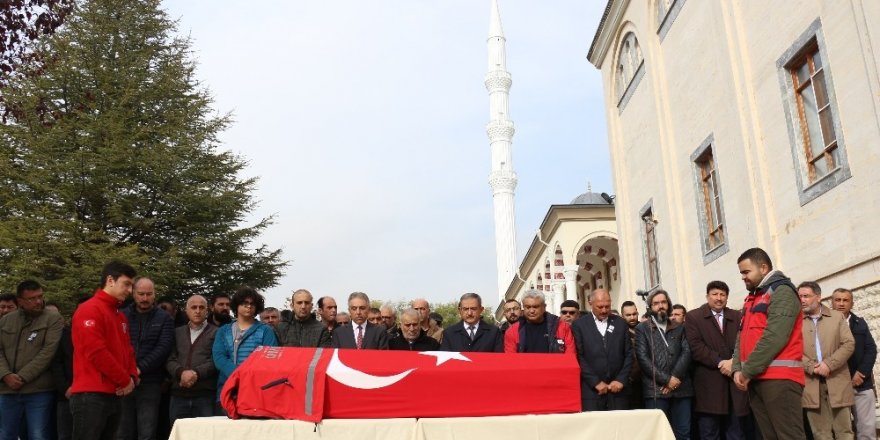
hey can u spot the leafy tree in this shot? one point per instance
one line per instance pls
(111, 151)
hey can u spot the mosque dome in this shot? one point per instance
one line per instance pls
(589, 198)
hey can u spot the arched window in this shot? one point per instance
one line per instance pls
(629, 63)
(663, 7)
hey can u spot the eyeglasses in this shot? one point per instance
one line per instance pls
(33, 298)
(412, 324)
(568, 312)
(387, 318)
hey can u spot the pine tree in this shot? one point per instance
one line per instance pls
(111, 150)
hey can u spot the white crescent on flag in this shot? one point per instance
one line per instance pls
(358, 379)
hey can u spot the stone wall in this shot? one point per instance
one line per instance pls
(867, 305)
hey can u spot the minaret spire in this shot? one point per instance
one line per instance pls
(502, 178)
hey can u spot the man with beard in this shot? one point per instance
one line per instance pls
(303, 330)
(768, 360)
(665, 358)
(28, 340)
(412, 337)
(512, 312)
(630, 314)
(721, 407)
(604, 354)
(220, 310)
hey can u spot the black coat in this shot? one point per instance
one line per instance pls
(674, 360)
(152, 343)
(62, 364)
(709, 347)
(602, 359)
(488, 338)
(422, 343)
(865, 353)
(375, 337)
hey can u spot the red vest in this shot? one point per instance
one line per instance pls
(787, 364)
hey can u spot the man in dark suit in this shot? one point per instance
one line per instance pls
(605, 355)
(861, 364)
(360, 334)
(720, 406)
(472, 333)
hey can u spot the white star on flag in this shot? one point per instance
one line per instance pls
(443, 356)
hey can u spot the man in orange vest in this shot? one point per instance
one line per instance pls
(768, 357)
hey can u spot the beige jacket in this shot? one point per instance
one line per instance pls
(837, 343)
(27, 346)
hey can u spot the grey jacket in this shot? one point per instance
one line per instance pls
(27, 347)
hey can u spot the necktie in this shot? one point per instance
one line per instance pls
(471, 332)
(720, 318)
(360, 339)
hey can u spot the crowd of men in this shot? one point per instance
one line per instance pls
(782, 362)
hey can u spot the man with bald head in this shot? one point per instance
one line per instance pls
(194, 377)
(605, 355)
(151, 332)
(303, 330)
(428, 325)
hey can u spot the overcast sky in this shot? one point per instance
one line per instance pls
(365, 124)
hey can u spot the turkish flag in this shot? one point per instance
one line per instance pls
(359, 384)
(450, 384)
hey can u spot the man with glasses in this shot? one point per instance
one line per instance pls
(472, 333)
(428, 325)
(412, 337)
(303, 330)
(29, 338)
(604, 354)
(389, 320)
(569, 311)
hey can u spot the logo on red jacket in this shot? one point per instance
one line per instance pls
(89, 323)
(124, 327)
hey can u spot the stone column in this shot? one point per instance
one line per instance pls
(571, 273)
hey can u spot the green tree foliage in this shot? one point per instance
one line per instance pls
(111, 151)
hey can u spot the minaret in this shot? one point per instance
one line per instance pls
(502, 179)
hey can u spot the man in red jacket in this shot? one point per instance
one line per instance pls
(104, 366)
